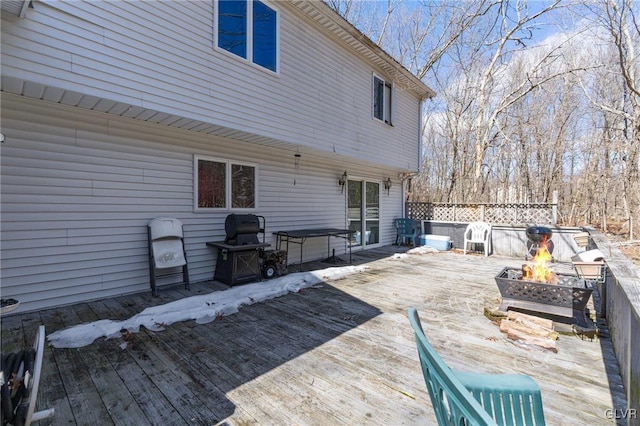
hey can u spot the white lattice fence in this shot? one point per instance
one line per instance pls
(498, 214)
(510, 214)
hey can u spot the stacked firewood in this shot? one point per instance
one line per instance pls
(526, 329)
(530, 330)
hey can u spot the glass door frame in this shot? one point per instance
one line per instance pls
(364, 224)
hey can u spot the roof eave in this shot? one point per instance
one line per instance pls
(340, 27)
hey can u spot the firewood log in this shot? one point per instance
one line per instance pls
(507, 326)
(548, 344)
(530, 319)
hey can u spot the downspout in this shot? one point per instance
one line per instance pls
(404, 198)
(23, 9)
(420, 135)
(404, 180)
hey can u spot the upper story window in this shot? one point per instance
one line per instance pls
(222, 184)
(248, 28)
(382, 99)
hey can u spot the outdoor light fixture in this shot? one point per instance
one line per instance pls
(296, 164)
(296, 161)
(342, 181)
(387, 185)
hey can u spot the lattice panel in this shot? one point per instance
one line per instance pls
(497, 214)
(444, 212)
(421, 211)
(516, 214)
(467, 214)
(501, 215)
(535, 215)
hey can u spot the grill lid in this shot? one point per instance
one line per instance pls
(538, 234)
(242, 229)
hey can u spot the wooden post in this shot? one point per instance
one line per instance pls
(554, 208)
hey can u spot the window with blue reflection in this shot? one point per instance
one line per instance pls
(232, 26)
(382, 99)
(378, 98)
(248, 28)
(264, 35)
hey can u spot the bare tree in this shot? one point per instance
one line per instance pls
(517, 119)
(489, 87)
(619, 18)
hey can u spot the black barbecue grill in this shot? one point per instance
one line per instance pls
(239, 254)
(538, 236)
(243, 229)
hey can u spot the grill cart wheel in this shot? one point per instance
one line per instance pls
(269, 270)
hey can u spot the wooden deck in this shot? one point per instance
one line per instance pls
(340, 353)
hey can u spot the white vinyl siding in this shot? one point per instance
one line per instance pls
(79, 187)
(159, 55)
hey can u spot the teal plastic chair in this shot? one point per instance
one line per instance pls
(465, 398)
(406, 228)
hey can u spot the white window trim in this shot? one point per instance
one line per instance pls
(385, 101)
(249, 58)
(227, 201)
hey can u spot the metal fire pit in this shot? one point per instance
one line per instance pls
(567, 299)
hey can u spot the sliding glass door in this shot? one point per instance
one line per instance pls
(363, 212)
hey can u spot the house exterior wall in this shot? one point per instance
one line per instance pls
(78, 188)
(160, 55)
(80, 180)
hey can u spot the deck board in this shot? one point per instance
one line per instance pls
(79, 390)
(167, 359)
(341, 353)
(161, 367)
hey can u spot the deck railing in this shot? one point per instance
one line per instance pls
(622, 300)
(497, 214)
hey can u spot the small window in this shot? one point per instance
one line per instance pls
(248, 28)
(221, 183)
(382, 95)
(243, 186)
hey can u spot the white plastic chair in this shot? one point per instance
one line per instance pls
(478, 233)
(166, 249)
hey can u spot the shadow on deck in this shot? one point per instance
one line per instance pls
(337, 353)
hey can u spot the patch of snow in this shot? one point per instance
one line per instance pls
(201, 308)
(399, 256)
(422, 250)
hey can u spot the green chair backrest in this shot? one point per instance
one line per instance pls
(452, 402)
(469, 398)
(407, 226)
